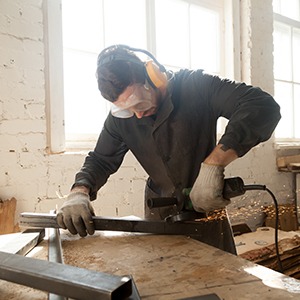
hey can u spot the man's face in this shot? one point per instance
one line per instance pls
(138, 99)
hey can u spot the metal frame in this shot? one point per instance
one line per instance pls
(194, 228)
(61, 281)
(190, 228)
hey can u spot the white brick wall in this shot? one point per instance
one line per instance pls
(34, 178)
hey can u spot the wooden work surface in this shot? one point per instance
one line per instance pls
(166, 267)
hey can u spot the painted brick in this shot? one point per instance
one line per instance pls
(138, 185)
(33, 47)
(1, 109)
(20, 175)
(20, 59)
(29, 160)
(8, 158)
(26, 142)
(21, 29)
(18, 109)
(6, 40)
(22, 91)
(22, 126)
(126, 172)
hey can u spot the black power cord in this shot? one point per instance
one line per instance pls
(250, 187)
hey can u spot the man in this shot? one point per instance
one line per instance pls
(168, 121)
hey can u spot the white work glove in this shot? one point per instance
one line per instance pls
(207, 192)
(76, 214)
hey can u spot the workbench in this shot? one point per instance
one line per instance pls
(164, 267)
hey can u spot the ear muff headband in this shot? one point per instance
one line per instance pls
(154, 72)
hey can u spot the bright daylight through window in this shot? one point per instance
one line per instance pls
(287, 67)
(175, 38)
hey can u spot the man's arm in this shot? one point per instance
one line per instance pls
(221, 156)
(80, 188)
(253, 115)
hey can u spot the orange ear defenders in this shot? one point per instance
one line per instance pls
(155, 73)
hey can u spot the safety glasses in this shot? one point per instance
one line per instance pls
(139, 100)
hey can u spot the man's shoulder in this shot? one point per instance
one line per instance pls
(186, 73)
(190, 78)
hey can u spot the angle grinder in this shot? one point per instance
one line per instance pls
(233, 187)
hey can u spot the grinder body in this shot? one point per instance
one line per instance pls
(233, 187)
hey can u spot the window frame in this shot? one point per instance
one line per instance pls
(291, 23)
(54, 89)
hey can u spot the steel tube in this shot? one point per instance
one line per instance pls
(55, 250)
(128, 225)
(66, 280)
(55, 255)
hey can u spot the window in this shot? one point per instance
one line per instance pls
(189, 35)
(287, 67)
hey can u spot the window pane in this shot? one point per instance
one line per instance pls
(205, 44)
(172, 32)
(276, 6)
(125, 22)
(290, 9)
(296, 55)
(284, 97)
(297, 110)
(282, 52)
(82, 25)
(82, 43)
(85, 110)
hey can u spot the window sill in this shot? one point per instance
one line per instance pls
(79, 143)
(295, 145)
(80, 146)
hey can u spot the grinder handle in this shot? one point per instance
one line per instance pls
(233, 187)
(161, 202)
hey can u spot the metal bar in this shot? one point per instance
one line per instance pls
(66, 280)
(55, 255)
(128, 225)
(55, 250)
(54, 244)
(24, 242)
(135, 293)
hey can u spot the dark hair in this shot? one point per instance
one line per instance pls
(117, 68)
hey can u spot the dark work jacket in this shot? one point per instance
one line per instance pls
(172, 146)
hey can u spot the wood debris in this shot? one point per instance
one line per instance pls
(289, 250)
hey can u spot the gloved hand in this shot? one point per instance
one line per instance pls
(207, 192)
(76, 214)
